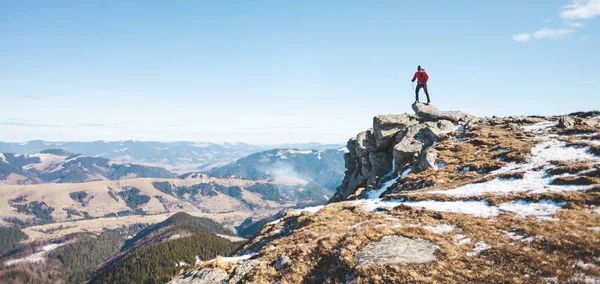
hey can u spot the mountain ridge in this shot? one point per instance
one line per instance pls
(436, 196)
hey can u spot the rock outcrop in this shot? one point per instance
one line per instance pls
(396, 143)
(397, 249)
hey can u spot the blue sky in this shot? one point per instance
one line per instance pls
(283, 71)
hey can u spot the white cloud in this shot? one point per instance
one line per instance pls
(544, 33)
(581, 9)
(521, 37)
(575, 24)
(548, 33)
(585, 38)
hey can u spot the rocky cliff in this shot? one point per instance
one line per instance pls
(396, 143)
(442, 197)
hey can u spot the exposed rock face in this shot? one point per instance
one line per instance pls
(395, 141)
(397, 249)
(427, 161)
(387, 126)
(565, 122)
(204, 276)
(242, 270)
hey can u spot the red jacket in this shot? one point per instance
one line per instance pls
(421, 76)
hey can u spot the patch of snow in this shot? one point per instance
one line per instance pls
(380, 226)
(524, 208)
(374, 204)
(459, 236)
(397, 226)
(375, 193)
(586, 266)
(325, 196)
(460, 239)
(440, 165)
(464, 170)
(295, 152)
(538, 126)
(36, 257)
(406, 172)
(2, 159)
(275, 222)
(479, 247)
(597, 229)
(200, 145)
(122, 150)
(440, 228)
(475, 208)
(354, 226)
(533, 181)
(181, 263)
(513, 236)
(198, 260)
(318, 153)
(344, 149)
(311, 210)
(238, 258)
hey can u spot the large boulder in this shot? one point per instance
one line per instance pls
(565, 122)
(397, 249)
(426, 161)
(446, 125)
(407, 150)
(430, 113)
(351, 146)
(412, 141)
(204, 276)
(387, 126)
(243, 269)
(365, 143)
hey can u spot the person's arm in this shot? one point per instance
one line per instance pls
(414, 77)
(426, 77)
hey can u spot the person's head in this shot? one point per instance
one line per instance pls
(419, 68)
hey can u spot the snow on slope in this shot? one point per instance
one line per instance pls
(36, 257)
(534, 180)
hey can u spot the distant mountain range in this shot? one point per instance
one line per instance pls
(323, 167)
(60, 166)
(179, 157)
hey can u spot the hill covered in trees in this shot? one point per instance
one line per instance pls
(159, 252)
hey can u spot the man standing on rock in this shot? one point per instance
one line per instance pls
(421, 77)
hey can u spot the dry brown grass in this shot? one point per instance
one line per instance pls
(469, 157)
(323, 246)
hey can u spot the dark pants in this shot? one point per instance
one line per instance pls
(419, 86)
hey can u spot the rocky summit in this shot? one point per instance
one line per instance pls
(442, 196)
